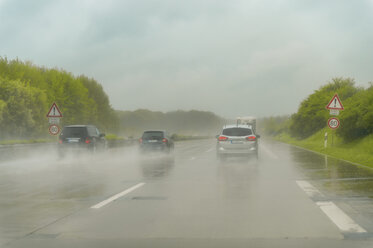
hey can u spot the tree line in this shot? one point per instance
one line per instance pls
(192, 122)
(27, 92)
(356, 120)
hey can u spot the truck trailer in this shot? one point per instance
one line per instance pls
(247, 120)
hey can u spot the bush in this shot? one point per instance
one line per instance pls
(357, 118)
(312, 115)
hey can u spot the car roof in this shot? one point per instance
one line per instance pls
(148, 131)
(237, 126)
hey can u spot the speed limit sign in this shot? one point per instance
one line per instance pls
(333, 123)
(54, 129)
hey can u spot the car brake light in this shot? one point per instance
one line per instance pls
(60, 141)
(140, 140)
(251, 138)
(164, 140)
(87, 141)
(223, 138)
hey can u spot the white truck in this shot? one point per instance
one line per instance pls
(247, 120)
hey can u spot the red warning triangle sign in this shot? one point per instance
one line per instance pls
(54, 111)
(335, 103)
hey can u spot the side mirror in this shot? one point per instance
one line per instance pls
(258, 136)
(102, 135)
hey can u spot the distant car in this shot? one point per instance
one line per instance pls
(153, 140)
(237, 140)
(81, 137)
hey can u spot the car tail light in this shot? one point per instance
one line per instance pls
(60, 141)
(251, 138)
(140, 140)
(223, 138)
(164, 140)
(87, 141)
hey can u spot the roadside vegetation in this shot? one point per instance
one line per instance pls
(111, 137)
(27, 91)
(352, 141)
(191, 124)
(31, 141)
(178, 137)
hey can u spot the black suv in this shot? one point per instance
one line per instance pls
(156, 141)
(81, 137)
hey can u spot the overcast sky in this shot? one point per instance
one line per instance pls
(249, 57)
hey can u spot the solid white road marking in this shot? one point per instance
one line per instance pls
(334, 213)
(266, 150)
(192, 158)
(209, 150)
(309, 189)
(342, 220)
(115, 197)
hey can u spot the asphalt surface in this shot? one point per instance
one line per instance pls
(290, 197)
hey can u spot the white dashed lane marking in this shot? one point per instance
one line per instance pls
(334, 213)
(117, 196)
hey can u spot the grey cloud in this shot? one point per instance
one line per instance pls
(231, 57)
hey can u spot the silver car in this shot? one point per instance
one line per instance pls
(237, 140)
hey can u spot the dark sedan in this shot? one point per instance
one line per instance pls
(81, 137)
(152, 141)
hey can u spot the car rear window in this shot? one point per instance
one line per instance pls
(237, 131)
(152, 135)
(74, 132)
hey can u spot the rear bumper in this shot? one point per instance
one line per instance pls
(74, 147)
(153, 147)
(236, 151)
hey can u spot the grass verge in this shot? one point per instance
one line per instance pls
(179, 137)
(112, 137)
(31, 141)
(357, 151)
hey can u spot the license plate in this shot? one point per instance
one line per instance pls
(236, 142)
(152, 141)
(73, 140)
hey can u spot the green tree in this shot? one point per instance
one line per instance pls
(357, 119)
(312, 115)
(27, 91)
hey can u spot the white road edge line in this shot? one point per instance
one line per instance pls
(334, 213)
(209, 150)
(115, 197)
(342, 220)
(192, 158)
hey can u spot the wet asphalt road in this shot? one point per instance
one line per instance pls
(289, 198)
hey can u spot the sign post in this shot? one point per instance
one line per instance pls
(333, 123)
(54, 115)
(334, 106)
(54, 129)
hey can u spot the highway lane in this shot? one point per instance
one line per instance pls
(289, 198)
